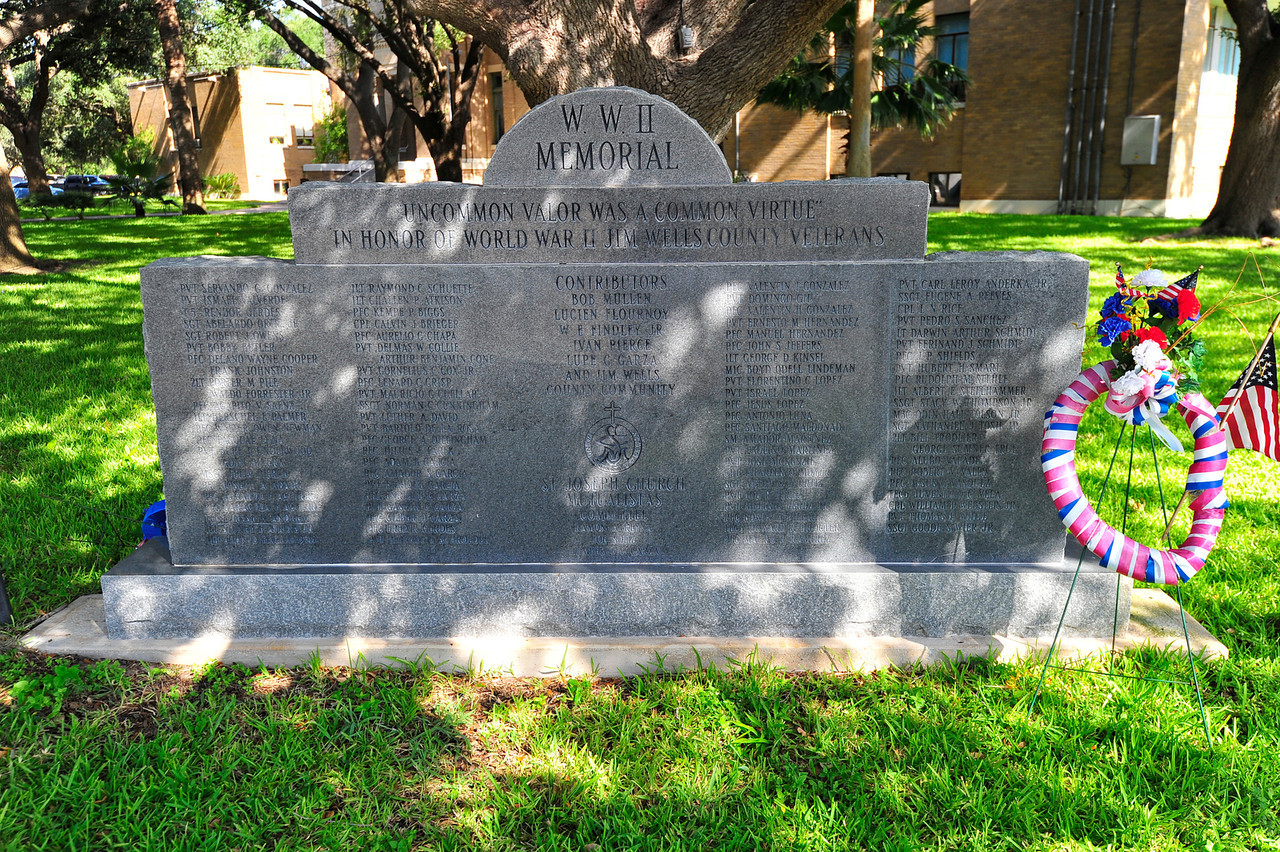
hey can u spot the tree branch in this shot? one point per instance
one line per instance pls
(301, 48)
(1254, 23)
(40, 89)
(343, 35)
(761, 40)
(42, 17)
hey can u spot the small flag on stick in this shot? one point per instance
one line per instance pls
(1249, 412)
(1171, 293)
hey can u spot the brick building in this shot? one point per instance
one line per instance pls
(1042, 128)
(1017, 147)
(257, 123)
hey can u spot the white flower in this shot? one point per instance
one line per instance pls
(1129, 384)
(1149, 356)
(1149, 278)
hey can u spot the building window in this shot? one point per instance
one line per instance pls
(496, 102)
(945, 189)
(901, 68)
(304, 134)
(277, 127)
(195, 122)
(281, 187)
(951, 45)
(1222, 52)
(898, 175)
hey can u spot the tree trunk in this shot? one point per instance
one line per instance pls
(557, 46)
(1250, 189)
(374, 122)
(25, 122)
(14, 254)
(858, 159)
(1247, 196)
(31, 152)
(359, 89)
(448, 163)
(445, 113)
(446, 150)
(20, 25)
(180, 120)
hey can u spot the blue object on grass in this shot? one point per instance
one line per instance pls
(153, 523)
(6, 611)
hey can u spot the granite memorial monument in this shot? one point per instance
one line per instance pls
(608, 393)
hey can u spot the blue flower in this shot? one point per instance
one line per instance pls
(1114, 306)
(1111, 328)
(1165, 307)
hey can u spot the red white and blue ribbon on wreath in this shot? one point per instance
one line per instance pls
(1204, 479)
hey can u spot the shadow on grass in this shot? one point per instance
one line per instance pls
(77, 421)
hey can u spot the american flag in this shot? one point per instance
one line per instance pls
(1170, 293)
(1123, 287)
(1253, 421)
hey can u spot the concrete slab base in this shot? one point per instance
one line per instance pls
(80, 628)
(147, 597)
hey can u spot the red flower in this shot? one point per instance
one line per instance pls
(1188, 306)
(1153, 334)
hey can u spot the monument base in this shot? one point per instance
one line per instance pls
(147, 597)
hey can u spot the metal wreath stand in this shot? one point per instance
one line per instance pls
(1114, 549)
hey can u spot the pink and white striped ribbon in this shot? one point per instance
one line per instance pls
(1115, 550)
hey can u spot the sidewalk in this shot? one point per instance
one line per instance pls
(265, 207)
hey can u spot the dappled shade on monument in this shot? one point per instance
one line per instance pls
(569, 409)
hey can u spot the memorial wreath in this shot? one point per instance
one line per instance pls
(1149, 327)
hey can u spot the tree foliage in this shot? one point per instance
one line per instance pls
(108, 38)
(83, 123)
(218, 36)
(18, 23)
(331, 136)
(908, 89)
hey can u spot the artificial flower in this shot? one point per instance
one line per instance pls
(1164, 308)
(1132, 383)
(1188, 306)
(1148, 278)
(1114, 306)
(1152, 334)
(1148, 354)
(1111, 328)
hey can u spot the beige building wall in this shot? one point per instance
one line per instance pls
(279, 111)
(1215, 118)
(257, 123)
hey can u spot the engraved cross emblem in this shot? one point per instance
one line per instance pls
(612, 443)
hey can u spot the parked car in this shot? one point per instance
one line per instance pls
(85, 183)
(22, 190)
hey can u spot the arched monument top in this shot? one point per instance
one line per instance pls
(608, 137)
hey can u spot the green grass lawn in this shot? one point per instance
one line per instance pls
(104, 755)
(121, 207)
